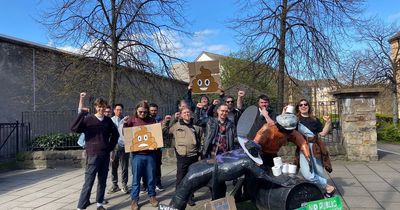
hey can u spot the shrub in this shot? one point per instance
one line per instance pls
(55, 141)
(388, 132)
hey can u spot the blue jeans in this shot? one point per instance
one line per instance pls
(317, 175)
(143, 165)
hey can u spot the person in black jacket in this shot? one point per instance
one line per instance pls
(234, 113)
(101, 136)
(220, 133)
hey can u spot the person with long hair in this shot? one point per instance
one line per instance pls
(143, 162)
(319, 154)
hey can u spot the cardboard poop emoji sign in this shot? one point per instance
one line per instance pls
(204, 82)
(143, 140)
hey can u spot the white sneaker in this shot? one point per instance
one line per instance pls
(159, 188)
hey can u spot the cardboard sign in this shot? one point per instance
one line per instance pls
(227, 203)
(146, 137)
(334, 203)
(204, 77)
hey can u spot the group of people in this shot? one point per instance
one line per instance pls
(102, 138)
(197, 131)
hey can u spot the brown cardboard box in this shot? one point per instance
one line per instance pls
(146, 137)
(227, 203)
(204, 77)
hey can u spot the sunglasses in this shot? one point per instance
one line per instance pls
(142, 112)
(300, 105)
(229, 102)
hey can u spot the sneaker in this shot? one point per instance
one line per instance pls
(159, 188)
(114, 189)
(134, 205)
(125, 189)
(153, 201)
(143, 190)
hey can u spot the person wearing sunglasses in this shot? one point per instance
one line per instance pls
(234, 113)
(143, 162)
(319, 154)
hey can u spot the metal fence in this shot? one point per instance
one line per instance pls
(49, 122)
(322, 108)
(14, 137)
(59, 122)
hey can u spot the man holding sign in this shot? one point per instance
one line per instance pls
(142, 145)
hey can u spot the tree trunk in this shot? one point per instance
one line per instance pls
(281, 67)
(394, 97)
(114, 55)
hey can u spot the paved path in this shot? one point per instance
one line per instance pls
(374, 185)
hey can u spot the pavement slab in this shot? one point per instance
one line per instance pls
(361, 185)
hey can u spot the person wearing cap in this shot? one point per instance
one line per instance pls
(319, 154)
(273, 135)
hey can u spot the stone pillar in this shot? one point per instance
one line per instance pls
(395, 57)
(358, 122)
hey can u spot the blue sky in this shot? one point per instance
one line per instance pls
(208, 21)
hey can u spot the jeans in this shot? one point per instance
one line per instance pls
(143, 165)
(95, 164)
(121, 158)
(317, 175)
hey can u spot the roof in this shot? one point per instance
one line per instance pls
(22, 42)
(393, 38)
(213, 56)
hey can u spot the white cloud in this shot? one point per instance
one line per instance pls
(70, 49)
(183, 47)
(189, 48)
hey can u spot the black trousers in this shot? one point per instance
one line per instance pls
(95, 164)
(121, 159)
(182, 166)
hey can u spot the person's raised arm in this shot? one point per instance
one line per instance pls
(189, 99)
(81, 99)
(240, 99)
(327, 126)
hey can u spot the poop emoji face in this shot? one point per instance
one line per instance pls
(204, 82)
(143, 140)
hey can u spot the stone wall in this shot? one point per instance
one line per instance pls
(76, 158)
(357, 109)
(40, 78)
(51, 159)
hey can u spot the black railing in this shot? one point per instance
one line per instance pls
(321, 109)
(45, 123)
(14, 137)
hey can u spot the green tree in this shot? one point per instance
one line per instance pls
(241, 72)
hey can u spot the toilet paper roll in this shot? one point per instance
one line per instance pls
(276, 171)
(277, 161)
(292, 169)
(290, 109)
(285, 168)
